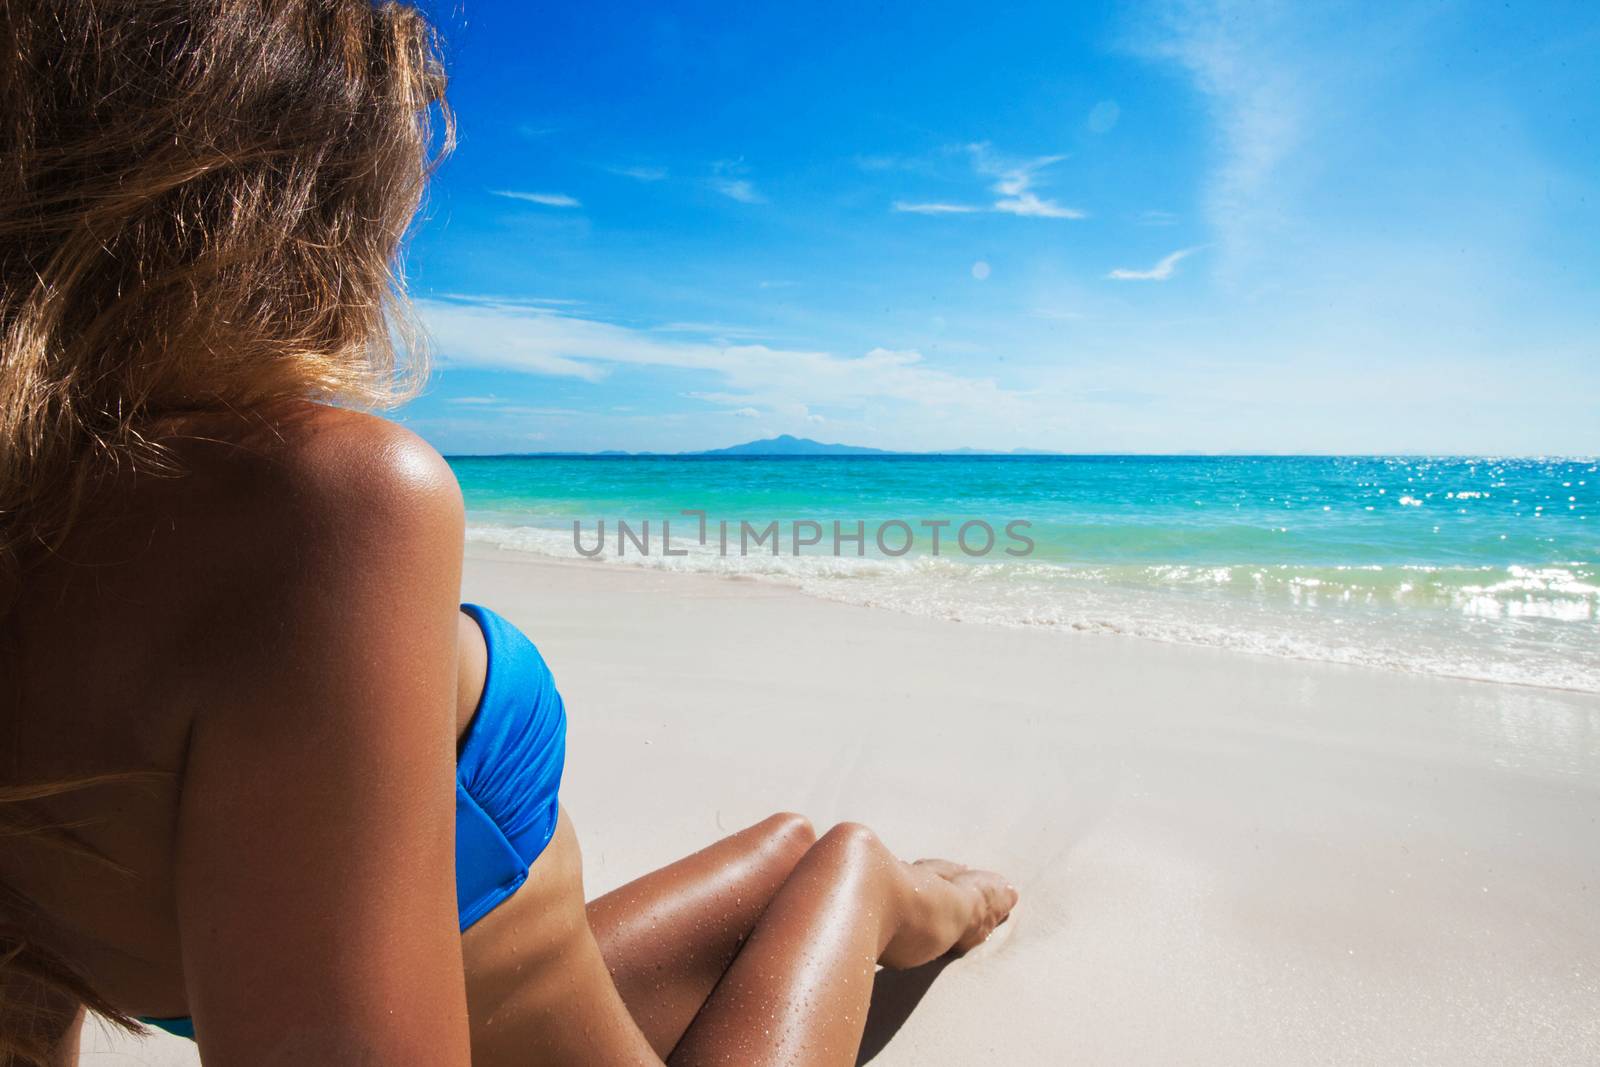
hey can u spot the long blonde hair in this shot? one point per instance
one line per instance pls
(202, 205)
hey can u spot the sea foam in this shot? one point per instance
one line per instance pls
(1467, 622)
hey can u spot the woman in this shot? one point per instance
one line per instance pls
(263, 780)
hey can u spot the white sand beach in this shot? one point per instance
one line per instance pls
(1223, 859)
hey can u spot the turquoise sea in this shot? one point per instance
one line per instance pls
(1471, 567)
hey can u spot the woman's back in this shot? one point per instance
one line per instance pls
(162, 610)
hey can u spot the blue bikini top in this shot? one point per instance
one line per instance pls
(508, 772)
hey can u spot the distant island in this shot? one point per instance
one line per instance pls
(789, 445)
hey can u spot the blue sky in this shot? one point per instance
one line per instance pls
(1145, 227)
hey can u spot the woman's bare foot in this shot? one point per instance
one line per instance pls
(953, 908)
(999, 897)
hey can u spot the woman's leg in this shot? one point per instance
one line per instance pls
(668, 937)
(798, 990)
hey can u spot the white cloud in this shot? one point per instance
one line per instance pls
(714, 397)
(1256, 84)
(738, 189)
(511, 301)
(903, 357)
(1029, 205)
(1158, 273)
(1103, 116)
(641, 174)
(747, 413)
(1013, 184)
(547, 199)
(491, 405)
(535, 340)
(727, 178)
(717, 331)
(934, 208)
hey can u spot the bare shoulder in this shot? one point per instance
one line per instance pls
(312, 464)
(367, 460)
(305, 528)
(265, 525)
(313, 492)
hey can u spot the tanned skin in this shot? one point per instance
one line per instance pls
(275, 636)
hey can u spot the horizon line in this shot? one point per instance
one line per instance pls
(965, 453)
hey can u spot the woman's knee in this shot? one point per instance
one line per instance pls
(788, 839)
(852, 839)
(786, 825)
(787, 835)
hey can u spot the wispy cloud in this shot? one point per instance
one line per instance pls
(747, 413)
(497, 405)
(641, 174)
(509, 301)
(886, 162)
(934, 208)
(1029, 205)
(1255, 80)
(738, 189)
(547, 199)
(1013, 182)
(1103, 116)
(717, 331)
(728, 177)
(533, 340)
(1159, 273)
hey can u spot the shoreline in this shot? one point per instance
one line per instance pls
(1223, 858)
(487, 548)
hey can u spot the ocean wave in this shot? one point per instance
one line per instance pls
(1529, 625)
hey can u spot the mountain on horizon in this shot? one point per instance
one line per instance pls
(784, 445)
(789, 445)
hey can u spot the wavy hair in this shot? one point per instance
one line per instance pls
(202, 205)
